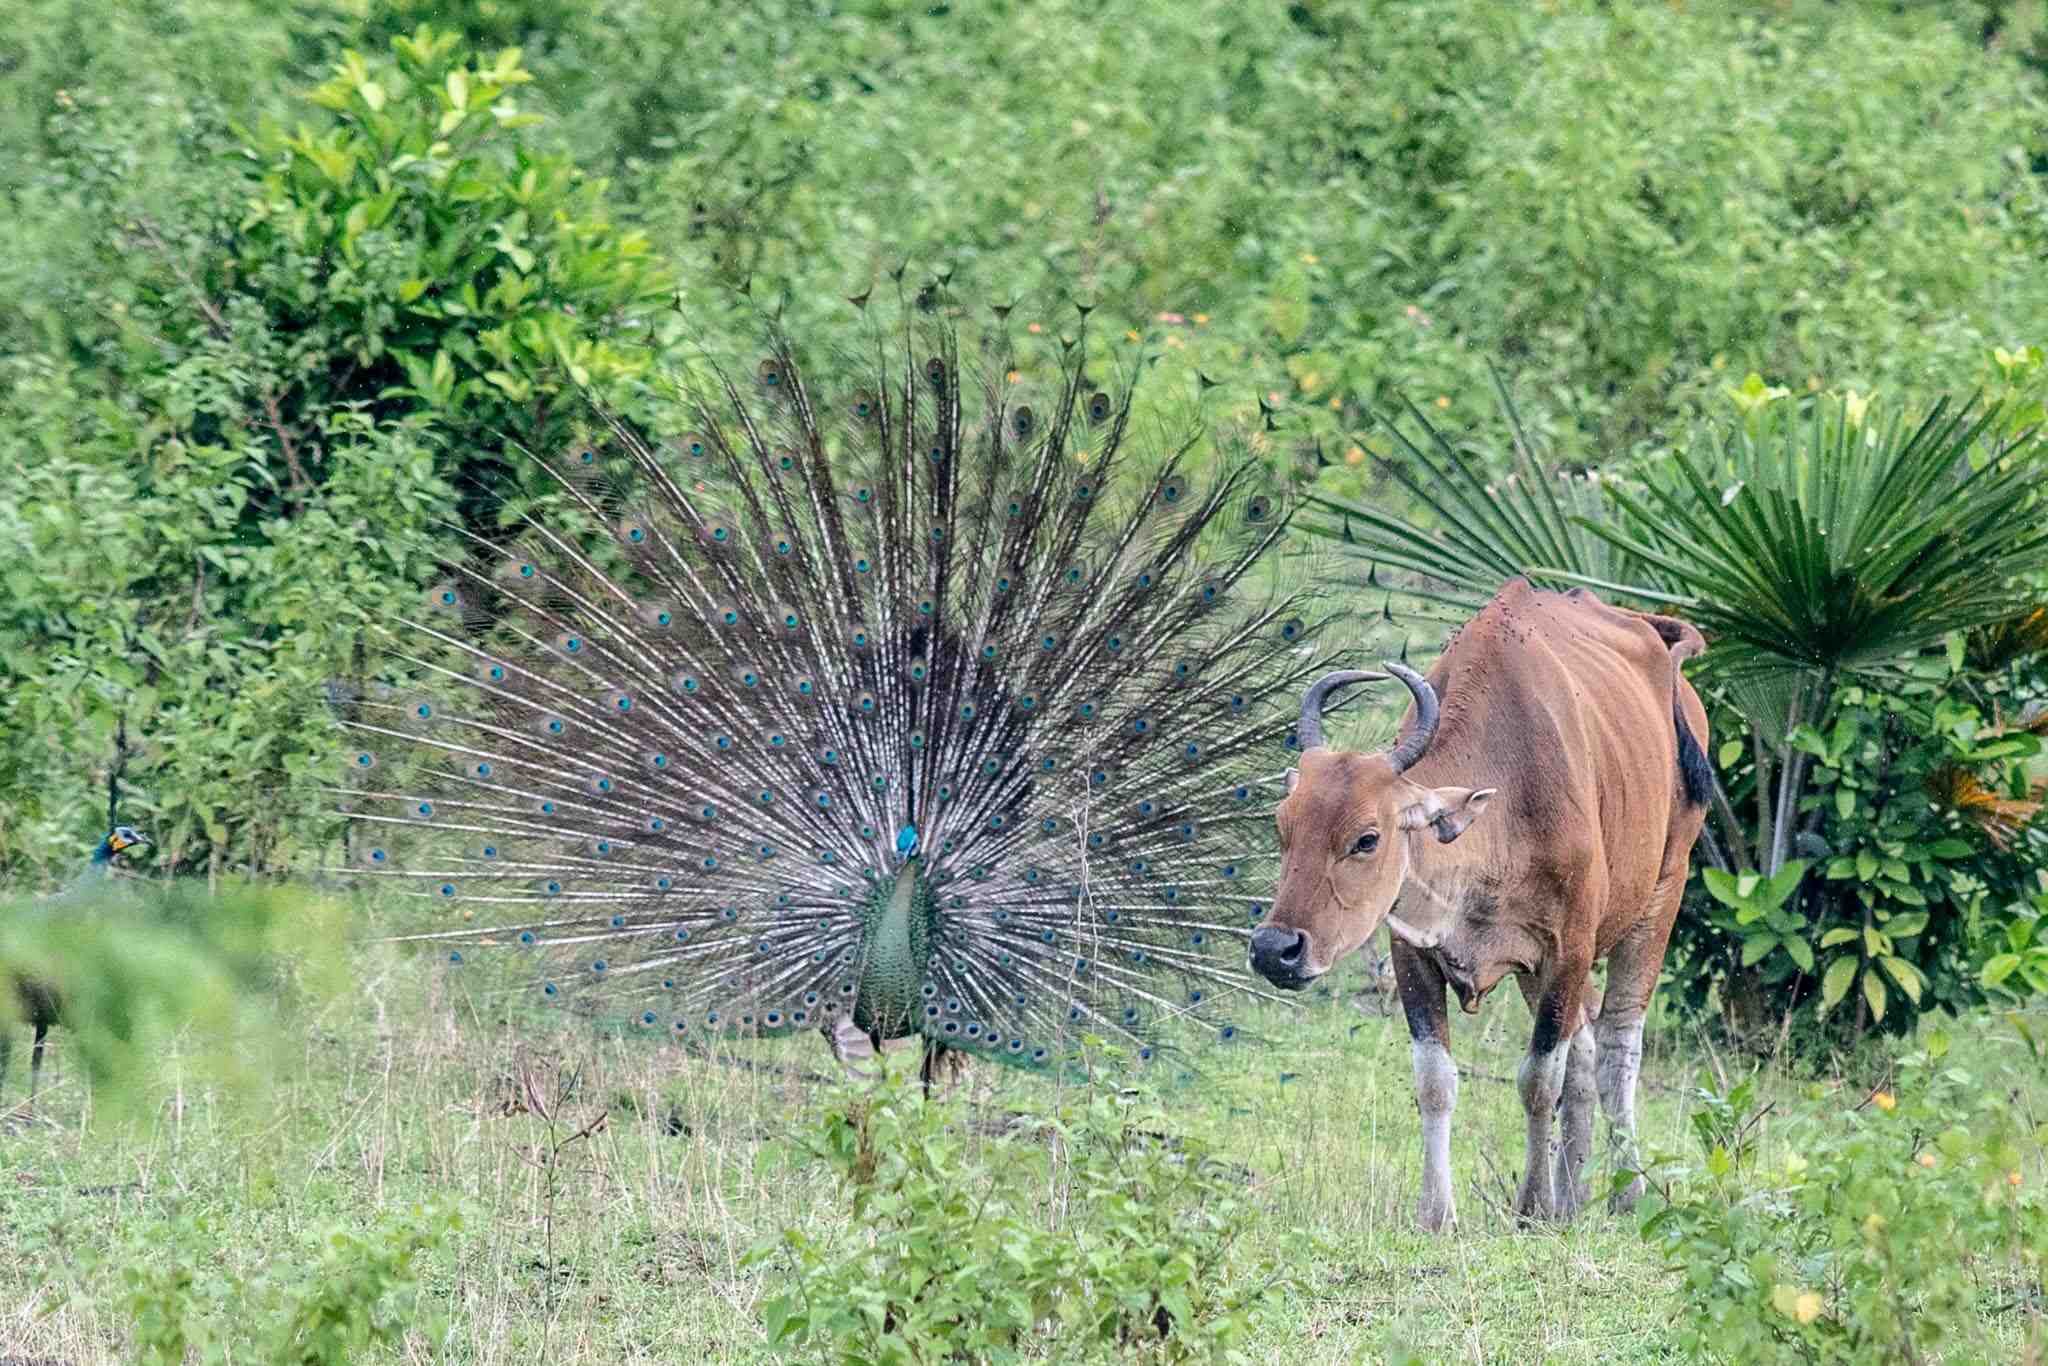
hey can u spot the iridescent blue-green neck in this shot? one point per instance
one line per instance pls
(895, 944)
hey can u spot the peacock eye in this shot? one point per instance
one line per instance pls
(1367, 842)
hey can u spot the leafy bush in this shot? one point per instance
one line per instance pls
(315, 352)
(1913, 1227)
(1108, 1239)
(353, 1290)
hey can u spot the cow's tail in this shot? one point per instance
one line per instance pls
(1695, 774)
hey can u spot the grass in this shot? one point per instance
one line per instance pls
(414, 1088)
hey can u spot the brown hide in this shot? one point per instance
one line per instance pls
(1562, 704)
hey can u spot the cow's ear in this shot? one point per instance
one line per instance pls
(1449, 809)
(1293, 780)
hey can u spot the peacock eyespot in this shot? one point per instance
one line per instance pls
(1291, 631)
(447, 889)
(1098, 407)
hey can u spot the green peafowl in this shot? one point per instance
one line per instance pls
(938, 706)
(38, 1001)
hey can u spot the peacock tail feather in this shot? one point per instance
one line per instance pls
(943, 706)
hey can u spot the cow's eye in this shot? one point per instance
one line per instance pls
(1367, 842)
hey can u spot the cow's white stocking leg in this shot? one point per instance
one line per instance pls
(1620, 1060)
(1436, 1096)
(1575, 1124)
(1541, 1082)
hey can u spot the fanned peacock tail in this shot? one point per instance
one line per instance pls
(942, 706)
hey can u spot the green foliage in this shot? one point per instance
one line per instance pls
(148, 972)
(422, 247)
(1092, 1237)
(1834, 539)
(2019, 965)
(349, 1291)
(1905, 1230)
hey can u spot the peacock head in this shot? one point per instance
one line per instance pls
(1345, 828)
(118, 841)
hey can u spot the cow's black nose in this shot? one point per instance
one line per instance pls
(1277, 954)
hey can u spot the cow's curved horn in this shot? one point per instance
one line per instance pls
(1409, 750)
(1309, 734)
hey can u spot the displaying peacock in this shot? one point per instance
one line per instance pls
(39, 1002)
(935, 705)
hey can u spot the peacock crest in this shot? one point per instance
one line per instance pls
(940, 704)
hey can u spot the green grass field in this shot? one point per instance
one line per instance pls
(409, 1090)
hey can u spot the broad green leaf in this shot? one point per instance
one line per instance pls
(1907, 925)
(1999, 968)
(1845, 802)
(1801, 952)
(1731, 750)
(1784, 882)
(1866, 865)
(1905, 974)
(1835, 984)
(1840, 935)
(1755, 948)
(1874, 993)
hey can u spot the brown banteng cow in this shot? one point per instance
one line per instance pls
(1566, 725)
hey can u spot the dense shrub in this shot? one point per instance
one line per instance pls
(1912, 1228)
(1088, 1235)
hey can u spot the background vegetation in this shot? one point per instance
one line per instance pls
(284, 287)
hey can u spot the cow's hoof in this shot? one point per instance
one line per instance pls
(1435, 1216)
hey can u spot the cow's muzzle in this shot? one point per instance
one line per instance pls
(1280, 955)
